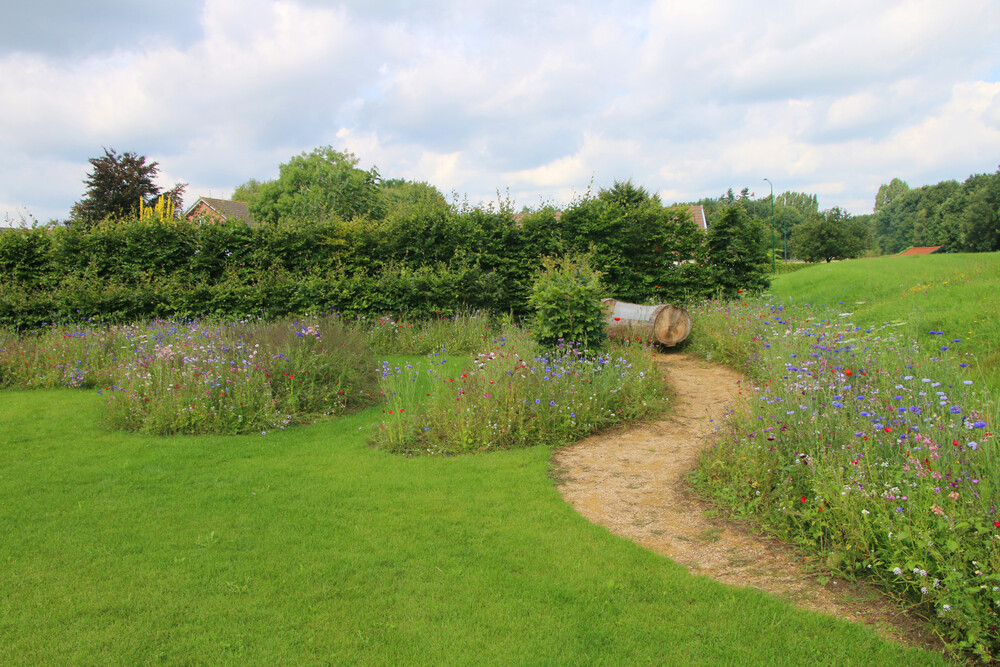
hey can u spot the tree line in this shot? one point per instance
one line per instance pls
(962, 216)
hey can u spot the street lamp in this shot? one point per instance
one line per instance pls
(772, 223)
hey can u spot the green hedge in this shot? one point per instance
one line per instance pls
(415, 264)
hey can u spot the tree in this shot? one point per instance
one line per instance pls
(981, 218)
(625, 195)
(833, 235)
(246, 192)
(643, 249)
(409, 196)
(889, 193)
(320, 185)
(116, 186)
(786, 219)
(736, 252)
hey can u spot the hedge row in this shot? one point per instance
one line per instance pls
(415, 265)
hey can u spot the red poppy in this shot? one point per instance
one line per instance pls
(802, 499)
(888, 430)
(997, 524)
(848, 372)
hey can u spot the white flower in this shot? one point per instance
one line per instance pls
(896, 571)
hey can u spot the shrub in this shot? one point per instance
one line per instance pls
(567, 302)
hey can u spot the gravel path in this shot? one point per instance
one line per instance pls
(633, 482)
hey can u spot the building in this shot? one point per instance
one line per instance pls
(924, 250)
(698, 215)
(220, 210)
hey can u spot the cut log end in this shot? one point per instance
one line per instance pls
(665, 324)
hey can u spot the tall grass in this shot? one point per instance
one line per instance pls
(461, 333)
(514, 394)
(204, 376)
(862, 446)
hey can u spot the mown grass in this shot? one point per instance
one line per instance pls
(308, 546)
(872, 443)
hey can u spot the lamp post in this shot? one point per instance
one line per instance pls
(772, 223)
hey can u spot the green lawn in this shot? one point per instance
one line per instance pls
(307, 546)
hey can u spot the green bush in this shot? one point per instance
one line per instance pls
(567, 302)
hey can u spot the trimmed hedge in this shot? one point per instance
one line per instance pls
(409, 264)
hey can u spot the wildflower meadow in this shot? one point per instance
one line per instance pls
(202, 376)
(862, 447)
(514, 393)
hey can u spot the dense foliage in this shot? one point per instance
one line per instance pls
(735, 245)
(420, 259)
(567, 303)
(833, 235)
(964, 217)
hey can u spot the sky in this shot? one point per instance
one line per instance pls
(535, 101)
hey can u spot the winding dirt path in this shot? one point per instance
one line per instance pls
(634, 482)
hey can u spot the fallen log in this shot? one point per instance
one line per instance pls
(664, 324)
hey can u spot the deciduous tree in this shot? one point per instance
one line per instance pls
(322, 184)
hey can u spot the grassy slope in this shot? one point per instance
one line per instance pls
(958, 294)
(306, 546)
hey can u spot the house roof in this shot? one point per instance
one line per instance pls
(698, 215)
(923, 250)
(228, 209)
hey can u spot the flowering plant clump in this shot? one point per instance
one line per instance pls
(513, 394)
(866, 450)
(202, 376)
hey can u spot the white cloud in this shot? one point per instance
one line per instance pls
(688, 99)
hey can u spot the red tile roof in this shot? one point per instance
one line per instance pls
(698, 215)
(923, 250)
